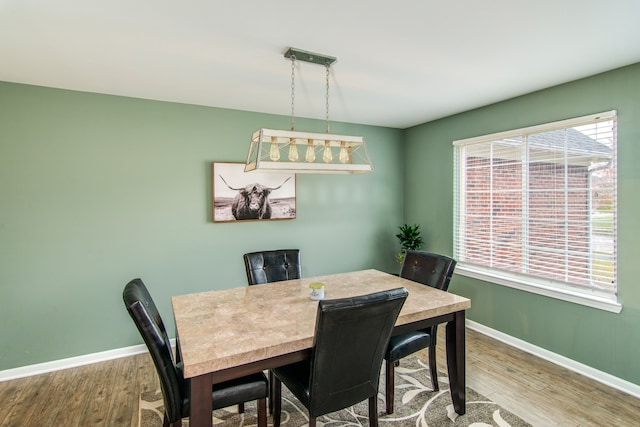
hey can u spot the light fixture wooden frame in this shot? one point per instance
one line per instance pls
(348, 153)
(276, 150)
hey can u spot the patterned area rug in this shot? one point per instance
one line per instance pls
(415, 405)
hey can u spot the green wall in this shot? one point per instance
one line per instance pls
(96, 190)
(605, 341)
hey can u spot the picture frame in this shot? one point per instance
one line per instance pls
(251, 196)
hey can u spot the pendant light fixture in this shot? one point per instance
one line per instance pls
(306, 152)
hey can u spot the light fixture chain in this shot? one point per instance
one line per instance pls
(293, 92)
(327, 65)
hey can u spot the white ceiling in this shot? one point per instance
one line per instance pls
(400, 63)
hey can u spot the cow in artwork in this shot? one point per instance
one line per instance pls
(252, 201)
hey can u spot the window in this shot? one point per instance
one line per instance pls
(535, 209)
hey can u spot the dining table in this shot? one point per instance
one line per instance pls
(228, 333)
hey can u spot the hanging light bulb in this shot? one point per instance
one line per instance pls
(327, 156)
(274, 152)
(344, 154)
(293, 150)
(310, 155)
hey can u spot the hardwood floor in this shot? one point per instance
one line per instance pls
(106, 394)
(538, 391)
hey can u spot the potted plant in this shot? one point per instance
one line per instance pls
(410, 239)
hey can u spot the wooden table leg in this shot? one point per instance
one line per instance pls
(456, 361)
(201, 403)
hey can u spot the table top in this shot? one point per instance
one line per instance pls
(231, 327)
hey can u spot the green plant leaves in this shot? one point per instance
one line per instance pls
(410, 237)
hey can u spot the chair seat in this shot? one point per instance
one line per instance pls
(291, 374)
(403, 345)
(232, 392)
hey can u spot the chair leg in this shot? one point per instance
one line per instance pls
(433, 366)
(277, 403)
(270, 392)
(373, 411)
(241, 408)
(262, 412)
(390, 379)
(165, 422)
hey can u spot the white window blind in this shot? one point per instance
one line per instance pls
(538, 206)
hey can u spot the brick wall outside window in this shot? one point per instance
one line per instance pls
(556, 223)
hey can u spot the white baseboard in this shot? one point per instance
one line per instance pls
(587, 371)
(72, 362)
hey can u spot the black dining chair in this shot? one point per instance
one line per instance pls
(272, 266)
(175, 388)
(351, 335)
(433, 270)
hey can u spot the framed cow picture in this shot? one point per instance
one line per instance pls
(251, 196)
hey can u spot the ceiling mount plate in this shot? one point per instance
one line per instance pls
(303, 55)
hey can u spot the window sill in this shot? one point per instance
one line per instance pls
(594, 301)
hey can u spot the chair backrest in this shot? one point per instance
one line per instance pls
(430, 269)
(350, 340)
(145, 315)
(272, 266)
